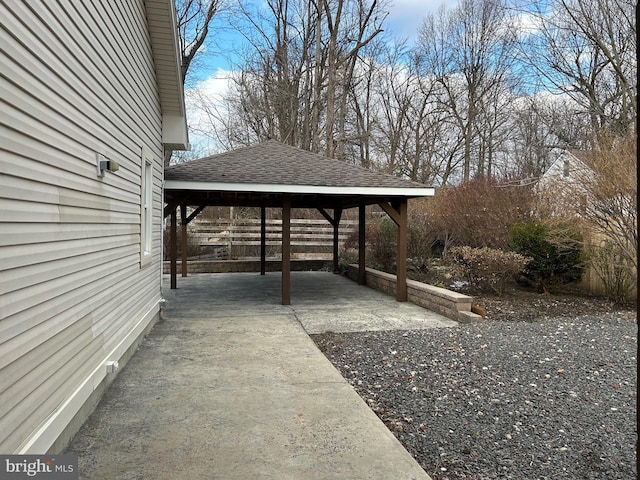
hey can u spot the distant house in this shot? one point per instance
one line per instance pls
(564, 190)
(566, 167)
(91, 93)
(560, 188)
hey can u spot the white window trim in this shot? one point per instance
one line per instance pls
(146, 207)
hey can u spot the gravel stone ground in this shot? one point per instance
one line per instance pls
(545, 398)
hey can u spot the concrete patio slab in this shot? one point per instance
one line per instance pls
(321, 302)
(230, 386)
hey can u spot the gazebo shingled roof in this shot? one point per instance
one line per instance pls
(272, 174)
(274, 163)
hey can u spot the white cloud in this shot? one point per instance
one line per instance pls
(205, 106)
(406, 16)
(216, 85)
(527, 24)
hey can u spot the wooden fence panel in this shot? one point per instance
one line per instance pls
(234, 238)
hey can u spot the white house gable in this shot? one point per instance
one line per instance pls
(560, 189)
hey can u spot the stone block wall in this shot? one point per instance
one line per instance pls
(454, 305)
(229, 266)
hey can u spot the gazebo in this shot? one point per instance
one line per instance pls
(274, 175)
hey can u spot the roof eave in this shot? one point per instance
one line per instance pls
(163, 32)
(300, 189)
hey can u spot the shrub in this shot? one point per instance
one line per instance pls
(347, 257)
(423, 234)
(555, 251)
(381, 240)
(193, 248)
(615, 271)
(479, 213)
(382, 244)
(487, 268)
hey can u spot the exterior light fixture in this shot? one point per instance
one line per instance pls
(103, 163)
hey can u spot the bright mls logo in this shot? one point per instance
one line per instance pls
(50, 467)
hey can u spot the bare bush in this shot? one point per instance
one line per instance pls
(487, 268)
(600, 189)
(611, 188)
(614, 270)
(479, 213)
(381, 238)
(423, 230)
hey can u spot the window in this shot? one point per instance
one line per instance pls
(146, 207)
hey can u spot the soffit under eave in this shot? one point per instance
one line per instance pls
(274, 200)
(161, 18)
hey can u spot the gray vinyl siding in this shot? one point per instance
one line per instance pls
(76, 78)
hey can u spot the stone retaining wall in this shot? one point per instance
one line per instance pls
(440, 300)
(231, 266)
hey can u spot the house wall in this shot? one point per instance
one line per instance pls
(558, 189)
(77, 78)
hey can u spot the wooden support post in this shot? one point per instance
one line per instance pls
(230, 237)
(173, 254)
(263, 240)
(362, 272)
(337, 214)
(398, 213)
(183, 243)
(286, 250)
(401, 260)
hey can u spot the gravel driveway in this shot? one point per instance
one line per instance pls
(553, 399)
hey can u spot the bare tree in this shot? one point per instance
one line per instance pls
(305, 63)
(362, 99)
(470, 49)
(587, 49)
(351, 25)
(275, 68)
(542, 126)
(532, 139)
(393, 90)
(410, 135)
(193, 20)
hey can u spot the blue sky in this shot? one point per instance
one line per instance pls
(209, 76)
(405, 17)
